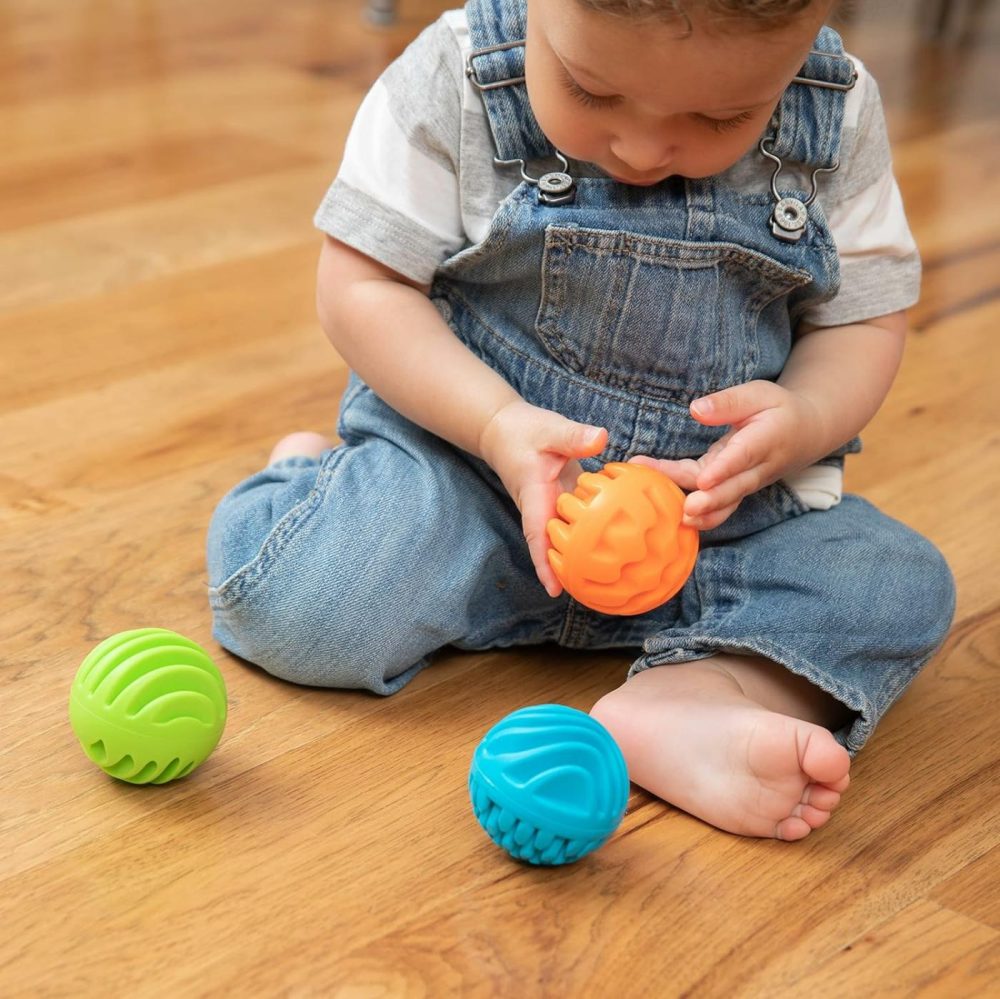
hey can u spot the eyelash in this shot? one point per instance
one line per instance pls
(720, 125)
(585, 96)
(727, 124)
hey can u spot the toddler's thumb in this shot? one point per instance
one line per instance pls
(730, 405)
(579, 440)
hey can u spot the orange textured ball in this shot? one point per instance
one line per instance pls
(618, 544)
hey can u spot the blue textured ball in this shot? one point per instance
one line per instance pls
(548, 784)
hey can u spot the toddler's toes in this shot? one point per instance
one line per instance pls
(820, 796)
(824, 760)
(302, 444)
(792, 828)
(813, 817)
(840, 786)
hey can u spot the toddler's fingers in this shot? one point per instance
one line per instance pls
(546, 576)
(728, 494)
(713, 519)
(742, 451)
(534, 517)
(735, 404)
(538, 547)
(683, 471)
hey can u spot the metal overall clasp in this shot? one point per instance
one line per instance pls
(789, 218)
(554, 188)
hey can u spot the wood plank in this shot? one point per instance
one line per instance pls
(526, 920)
(310, 110)
(112, 44)
(950, 215)
(925, 950)
(974, 891)
(117, 248)
(174, 861)
(68, 187)
(161, 422)
(139, 328)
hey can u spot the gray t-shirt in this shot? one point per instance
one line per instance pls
(417, 182)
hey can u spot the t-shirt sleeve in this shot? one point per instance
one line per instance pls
(879, 261)
(396, 195)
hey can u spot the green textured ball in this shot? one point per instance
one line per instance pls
(148, 706)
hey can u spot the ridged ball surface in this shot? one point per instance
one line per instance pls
(618, 544)
(548, 784)
(148, 705)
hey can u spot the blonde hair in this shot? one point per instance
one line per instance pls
(761, 14)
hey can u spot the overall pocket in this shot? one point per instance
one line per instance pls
(662, 317)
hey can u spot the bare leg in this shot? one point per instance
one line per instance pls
(737, 741)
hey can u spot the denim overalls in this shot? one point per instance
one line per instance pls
(614, 306)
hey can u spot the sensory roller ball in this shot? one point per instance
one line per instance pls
(148, 705)
(618, 544)
(548, 784)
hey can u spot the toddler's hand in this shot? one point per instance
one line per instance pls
(534, 452)
(772, 432)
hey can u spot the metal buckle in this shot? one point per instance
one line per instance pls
(825, 84)
(789, 218)
(554, 188)
(470, 69)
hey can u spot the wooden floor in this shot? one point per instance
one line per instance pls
(160, 164)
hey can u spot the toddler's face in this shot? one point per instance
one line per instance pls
(645, 103)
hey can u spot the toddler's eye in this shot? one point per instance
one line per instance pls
(585, 96)
(727, 124)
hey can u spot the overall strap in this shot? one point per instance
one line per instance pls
(807, 123)
(495, 67)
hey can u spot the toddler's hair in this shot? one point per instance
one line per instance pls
(760, 13)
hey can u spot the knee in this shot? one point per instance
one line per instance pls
(246, 516)
(281, 648)
(939, 583)
(232, 540)
(315, 636)
(293, 587)
(918, 593)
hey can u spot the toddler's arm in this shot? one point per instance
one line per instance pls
(386, 328)
(833, 383)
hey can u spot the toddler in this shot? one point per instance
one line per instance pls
(567, 232)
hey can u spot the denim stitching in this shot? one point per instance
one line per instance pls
(631, 249)
(552, 371)
(655, 249)
(242, 582)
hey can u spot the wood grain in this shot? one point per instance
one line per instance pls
(161, 165)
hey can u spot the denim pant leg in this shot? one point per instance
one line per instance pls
(849, 598)
(350, 571)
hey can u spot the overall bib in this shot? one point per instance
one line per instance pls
(614, 306)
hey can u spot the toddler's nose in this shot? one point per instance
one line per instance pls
(644, 153)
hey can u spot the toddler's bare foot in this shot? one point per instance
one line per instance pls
(691, 736)
(301, 444)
